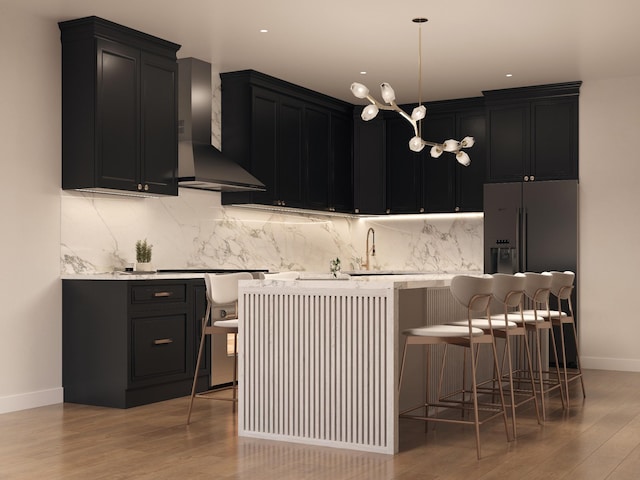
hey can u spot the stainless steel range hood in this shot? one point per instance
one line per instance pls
(200, 164)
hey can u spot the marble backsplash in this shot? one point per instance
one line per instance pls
(194, 230)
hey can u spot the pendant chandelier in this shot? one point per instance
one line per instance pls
(416, 144)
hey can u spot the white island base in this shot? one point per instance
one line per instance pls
(319, 359)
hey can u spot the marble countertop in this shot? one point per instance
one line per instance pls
(131, 276)
(396, 278)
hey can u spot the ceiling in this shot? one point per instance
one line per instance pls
(467, 45)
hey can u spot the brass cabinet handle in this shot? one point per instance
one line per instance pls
(162, 294)
(163, 341)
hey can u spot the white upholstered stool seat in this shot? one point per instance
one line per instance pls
(443, 331)
(226, 323)
(497, 322)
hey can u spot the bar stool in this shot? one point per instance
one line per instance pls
(561, 287)
(222, 289)
(537, 289)
(508, 290)
(474, 293)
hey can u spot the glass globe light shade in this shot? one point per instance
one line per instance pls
(359, 90)
(388, 95)
(467, 142)
(369, 112)
(450, 145)
(463, 158)
(436, 151)
(415, 144)
(419, 113)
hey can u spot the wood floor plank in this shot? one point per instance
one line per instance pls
(597, 438)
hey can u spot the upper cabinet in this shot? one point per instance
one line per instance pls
(419, 183)
(447, 185)
(532, 133)
(296, 141)
(119, 109)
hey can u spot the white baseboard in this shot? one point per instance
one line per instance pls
(23, 401)
(616, 364)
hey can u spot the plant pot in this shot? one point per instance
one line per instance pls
(144, 267)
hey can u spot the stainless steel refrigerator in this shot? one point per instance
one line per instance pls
(532, 226)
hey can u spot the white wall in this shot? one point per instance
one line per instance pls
(609, 223)
(30, 294)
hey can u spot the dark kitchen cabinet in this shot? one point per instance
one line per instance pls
(119, 109)
(447, 185)
(369, 171)
(300, 142)
(419, 183)
(128, 343)
(532, 133)
(403, 167)
(277, 143)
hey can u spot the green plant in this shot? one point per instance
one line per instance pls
(334, 266)
(143, 251)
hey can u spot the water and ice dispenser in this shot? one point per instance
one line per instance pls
(504, 259)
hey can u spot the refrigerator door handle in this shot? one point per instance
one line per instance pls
(525, 220)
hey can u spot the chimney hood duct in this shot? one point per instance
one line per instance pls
(200, 164)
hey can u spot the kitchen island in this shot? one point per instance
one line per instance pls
(319, 359)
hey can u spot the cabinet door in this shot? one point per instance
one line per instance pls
(438, 174)
(554, 139)
(470, 180)
(341, 175)
(318, 130)
(289, 162)
(264, 143)
(158, 346)
(402, 168)
(159, 125)
(508, 142)
(369, 172)
(117, 116)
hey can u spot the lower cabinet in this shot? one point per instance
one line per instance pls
(127, 343)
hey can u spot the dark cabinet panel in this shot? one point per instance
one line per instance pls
(127, 343)
(341, 164)
(417, 182)
(439, 174)
(289, 163)
(318, 157)
(533, 133)
(117, 118)
(159, 133)
(369, 167)
(119, 107)
(470, 179)
(159, 346)
(403, 168)
(298, 149)
(264, 144)
(555, 139)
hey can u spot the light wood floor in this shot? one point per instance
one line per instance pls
(598, 438)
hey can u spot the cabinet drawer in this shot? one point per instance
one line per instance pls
(158, 346)
(173, 293)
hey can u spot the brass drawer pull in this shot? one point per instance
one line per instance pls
(163, 341)
(162, 294)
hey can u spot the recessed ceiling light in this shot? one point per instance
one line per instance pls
(363, 73)
(264, 30)
(509, 75)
